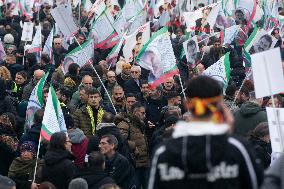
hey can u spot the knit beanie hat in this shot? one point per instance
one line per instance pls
(28, 146)
(8, 39)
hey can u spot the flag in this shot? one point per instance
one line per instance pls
(229, 34)
(36, 44)
(158, 57)
(220, 70)
(47, 49)
(53, 119)
(249, 42)
(246, 58)
(112, 56)
(81, 55)
(35, 101)
(2, 51)
(25, 8)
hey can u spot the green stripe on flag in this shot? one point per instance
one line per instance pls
(251, 37)
(79, 48)
(227, 66)
(54, 101)
(43, 127)
(40, 87)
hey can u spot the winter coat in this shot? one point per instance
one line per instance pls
(104, 96)
(22, 172)
(132, 129)
(82, 120)
(58, 76)
(120, 170)
(28, 89)
(248, 117)
(6, 105)
(58, 168)
(122, 79)
(95, 178)
(79, 146)
(8, 146)
(263, 150)
(201, 155)
(274, 176)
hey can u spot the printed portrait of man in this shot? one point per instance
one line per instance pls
(263, 44)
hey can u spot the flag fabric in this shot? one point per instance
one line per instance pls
(81, 55)
(229, 34)
(112, 56)
(53, 119)
(35, 101)
(2, 51)
(246, 58)
(158, 57)
(220, 70)
(36, 44)
(248, 44)
(47, 49)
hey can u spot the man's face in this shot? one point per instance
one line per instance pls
(105, 147)
(262, 45)
(45, 95)
(111, 77)
(240, 16)
(176, 101)
(276, 101)
(94, 100)
(81, 40)
(10, 60)
(217, 45)
(19, 79)
(83, 96)
(26, 155)
(130, 101)
(135, 73)
(169, 84)
(191, 49)
(118, 95)
(126, 71)
(140, 113)
(88, 82)
(145, 89)
(57, 44)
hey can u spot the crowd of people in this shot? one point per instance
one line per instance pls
(122, 133)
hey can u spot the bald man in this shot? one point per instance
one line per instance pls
(109, 84)
(38, 74)
(58, 50)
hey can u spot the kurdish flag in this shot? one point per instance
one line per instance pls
(158, 57)
(81, 55)
(35, 102)
(220, 70)
(53, 119)
(36, 44)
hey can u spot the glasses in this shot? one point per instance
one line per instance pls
(57, 43)
(136, 72)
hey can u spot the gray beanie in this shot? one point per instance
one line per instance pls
(78, 183)
(8, 39)
(6, 183)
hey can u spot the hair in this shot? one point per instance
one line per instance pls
(244, 90)
(108, 118)
(82, 87)
(46, 185)
(96, 160)
(45, 58)
(136, 106)
(239, 11)
(139, 34)
(137, 67)
(111, 139)
(274, 30)
(144, 82)
(23, 74)
(78, 183)
(191, 43)
(66, 92)
(5, 73)
(6, 182)
(57, 141)
(92, 91)
(131, 95)
(72, 70)
(268, 38)
(38, 116)
(260, 131)
(172, 94)
(116, 87)
(109, 186)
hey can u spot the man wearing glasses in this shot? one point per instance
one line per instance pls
(134, 84)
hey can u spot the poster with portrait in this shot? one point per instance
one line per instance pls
(191, 50)
(262, 41)
(135, 42)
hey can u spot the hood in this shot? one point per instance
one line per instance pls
(249, 108)
(55, 156)
(93, 176)
(76, 136)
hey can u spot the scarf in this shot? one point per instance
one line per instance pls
(99, 117)
(20, 167)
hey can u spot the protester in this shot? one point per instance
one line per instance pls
(7, 183)
(78, 183)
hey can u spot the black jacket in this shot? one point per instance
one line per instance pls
(58, 168)
(95, 178)
(119, 168)
(201, 155)
(132, 87)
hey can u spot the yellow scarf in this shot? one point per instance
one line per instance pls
(99, 117)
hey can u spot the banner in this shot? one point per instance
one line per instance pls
(158, 57)
(81, 55)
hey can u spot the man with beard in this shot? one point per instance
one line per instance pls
(216, 52)
(58, 50)
(118, 100)
(109, 84)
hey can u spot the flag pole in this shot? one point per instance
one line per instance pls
(182, 88)
(37, 154)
